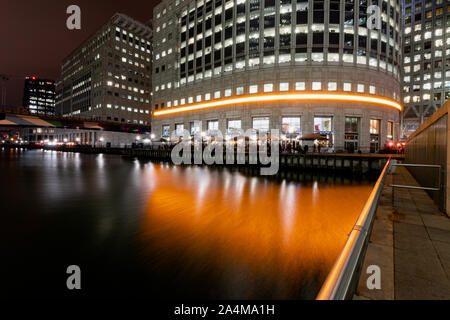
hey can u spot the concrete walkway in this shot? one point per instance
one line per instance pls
(410, 242)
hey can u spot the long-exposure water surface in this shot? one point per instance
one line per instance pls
(138, 228)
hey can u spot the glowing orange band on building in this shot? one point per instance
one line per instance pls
(283, 97)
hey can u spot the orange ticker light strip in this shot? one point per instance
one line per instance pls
(282, 97)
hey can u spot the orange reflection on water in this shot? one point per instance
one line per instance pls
(247, 237)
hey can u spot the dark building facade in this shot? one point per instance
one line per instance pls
(39, 96)
(108, 77)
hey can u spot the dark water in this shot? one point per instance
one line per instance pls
(142, 229)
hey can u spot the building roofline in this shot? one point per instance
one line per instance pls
(113, 18)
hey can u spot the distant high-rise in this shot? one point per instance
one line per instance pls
(108, 77)
(39, 96)
(426, 80)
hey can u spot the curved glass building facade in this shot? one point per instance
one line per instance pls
(295, 65)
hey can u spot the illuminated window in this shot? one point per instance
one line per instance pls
(268, 87)
(299, 86)
(261, 124)
(291, 125)
(374, 126)
(390, 130)
(213, 127)
(179, 130)
(332, 86)
(234, 127)
(317, 86)
(323, 125)
(284, 86)
(195, 127)
(166, 131)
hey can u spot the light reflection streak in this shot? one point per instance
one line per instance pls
(288, 209)
(282, 234)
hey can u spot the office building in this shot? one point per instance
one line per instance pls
(426, 81)
(299, 66)
(108, 77)
(39, 96)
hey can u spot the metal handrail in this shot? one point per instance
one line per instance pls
(343, 278)
(417, 165)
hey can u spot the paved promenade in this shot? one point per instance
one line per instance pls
(410, 242)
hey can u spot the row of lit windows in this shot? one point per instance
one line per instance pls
(133, 41)
(142, 74)
(429, 13)
(281, 59)
(129, 109)
(426, 77)
(428, 66)
(428, 3)
(130, 53)
(289, 125)
(427, 97)
(282, 87)
(124, 87)
(426, 86)
(238, 47)
(220, 26)
(108, 118)
(164, 53)
(42, 99)
(426, 56)
(437, 43)
(117, 107)
(129, 97)
(427, 35)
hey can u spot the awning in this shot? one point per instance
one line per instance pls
(92, 125)
(36, 121)
(19, 120)
(314, 136)
(6, 123)
(56, 123)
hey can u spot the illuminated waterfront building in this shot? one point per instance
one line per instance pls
(295, 65)
(426, 81)
(108, 77)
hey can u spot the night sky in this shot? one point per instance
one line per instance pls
(35, 39)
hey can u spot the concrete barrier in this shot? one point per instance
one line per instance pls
(429, 145)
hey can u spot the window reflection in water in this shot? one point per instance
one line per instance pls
(252, 238)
